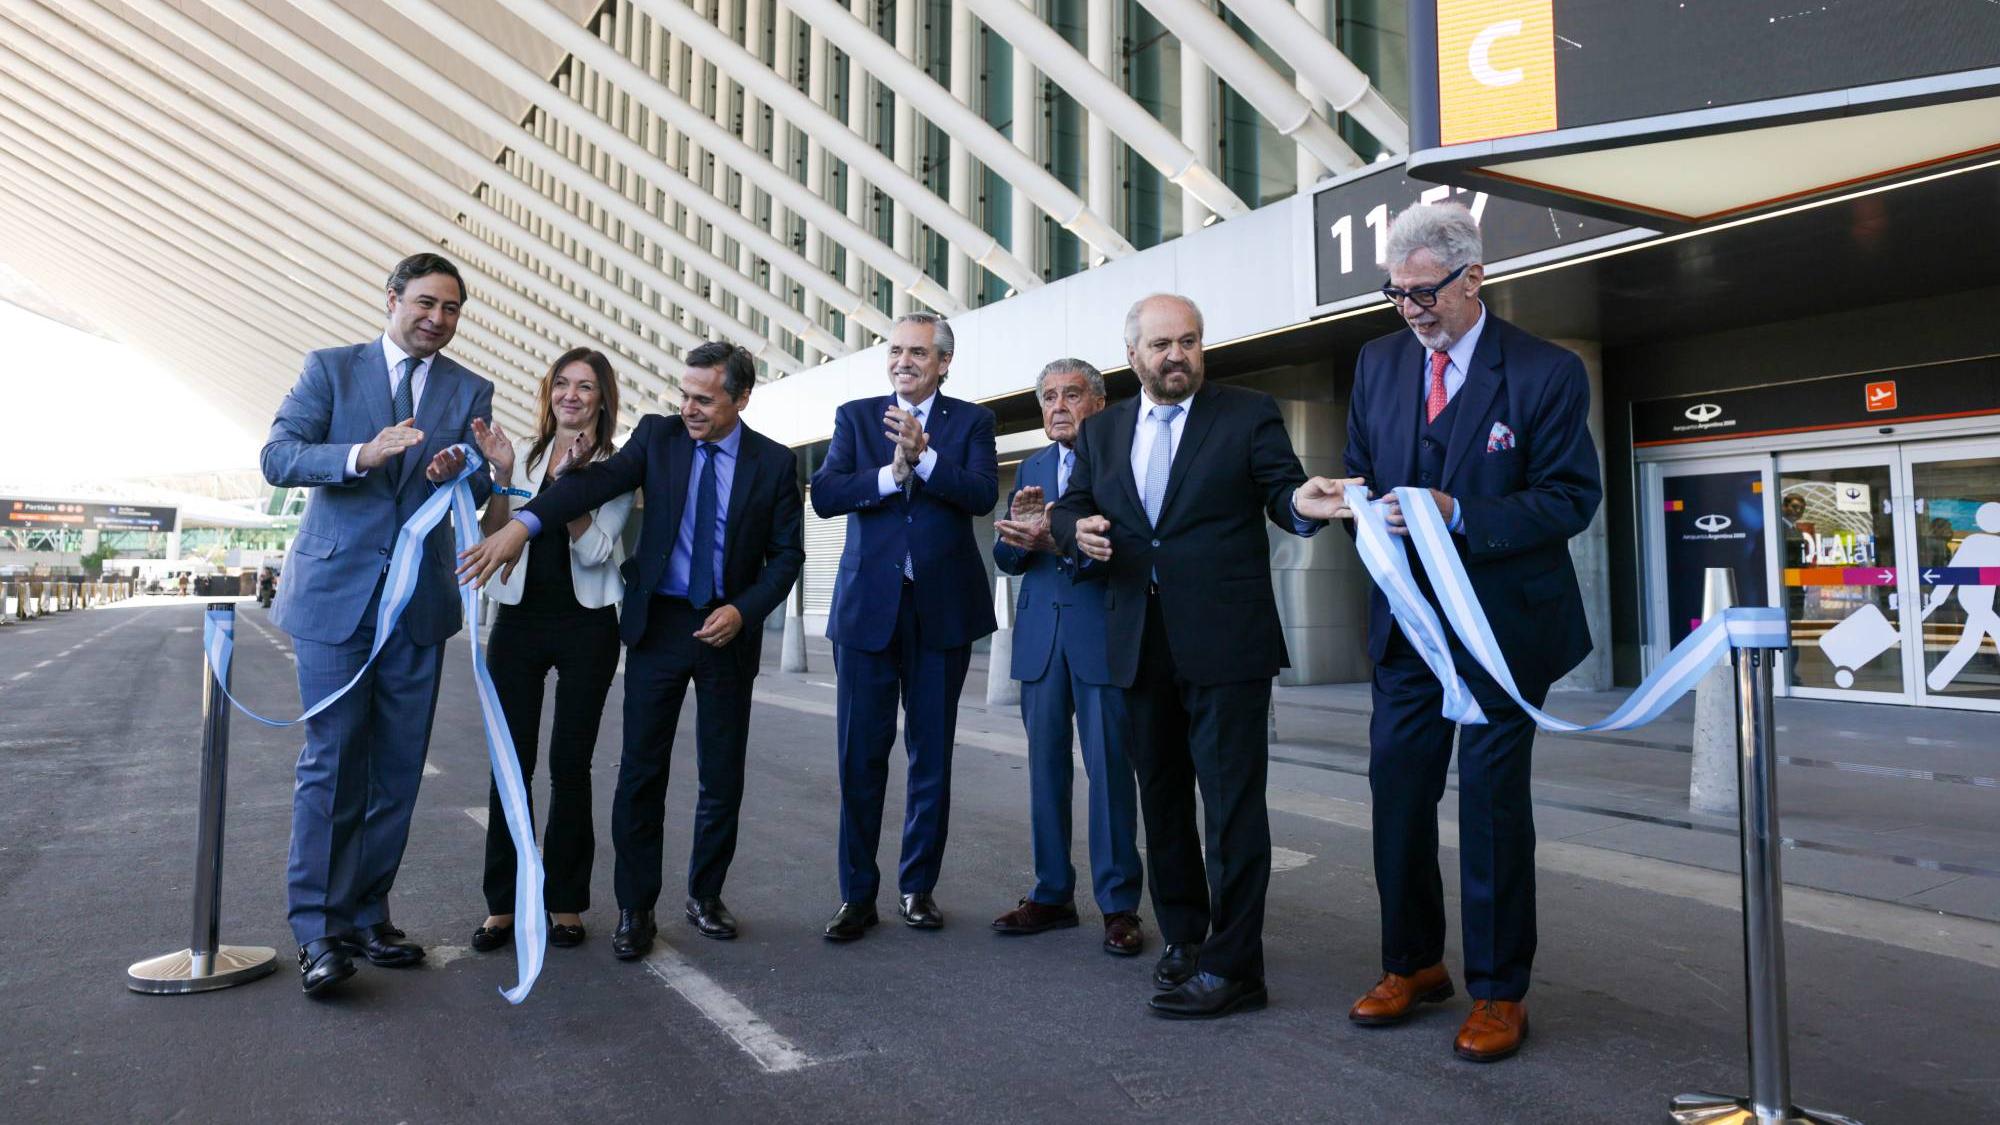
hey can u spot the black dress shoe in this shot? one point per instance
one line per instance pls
(486, 939)
(633, 938)
(384, 945)
(1206, 996)
(851, 921)
(920, 912)
(323, 963)
(565, 937)
(1176, 965)
(711, 917)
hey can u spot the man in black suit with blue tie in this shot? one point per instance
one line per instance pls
(1495, 423)
(910, 471)
(721, 546)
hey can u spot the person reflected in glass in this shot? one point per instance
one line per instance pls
(557, 613)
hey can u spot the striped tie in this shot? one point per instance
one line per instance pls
(1159, 460)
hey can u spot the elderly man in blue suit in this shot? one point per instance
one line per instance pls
(910, 471)
(1495, 423)
(370, 428)
(1059, 639)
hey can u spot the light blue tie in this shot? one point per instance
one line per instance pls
(1160, 460)
(909, 571)
(1068, 468)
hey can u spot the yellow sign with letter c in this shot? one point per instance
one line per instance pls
(1496, 69)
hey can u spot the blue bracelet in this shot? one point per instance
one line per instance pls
(521, 492)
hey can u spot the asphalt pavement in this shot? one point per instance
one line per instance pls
(1895, 1009)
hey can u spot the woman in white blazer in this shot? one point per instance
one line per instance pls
(558, 611)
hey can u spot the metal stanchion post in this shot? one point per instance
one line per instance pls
(207, 964)
(1770, 1100)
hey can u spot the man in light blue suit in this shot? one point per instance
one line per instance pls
(1059, 659)
(360, 428)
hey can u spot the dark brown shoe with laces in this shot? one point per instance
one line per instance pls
(1122, 934)
(1031, 917)
(1395, 996)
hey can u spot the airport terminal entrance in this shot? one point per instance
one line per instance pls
(1885, 558)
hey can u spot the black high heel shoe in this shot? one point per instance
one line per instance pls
(563, 936)
(486, 939)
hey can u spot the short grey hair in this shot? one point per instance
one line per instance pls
(1447, 230)
(941, 329)
(1072, 366)
(1132, 316)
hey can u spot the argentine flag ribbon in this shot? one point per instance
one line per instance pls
(1389, 565)
(219, 641)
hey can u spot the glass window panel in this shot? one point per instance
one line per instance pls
(1957, 509)
(1840, 578)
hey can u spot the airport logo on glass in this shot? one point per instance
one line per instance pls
(1703, 412)
(1713, 523)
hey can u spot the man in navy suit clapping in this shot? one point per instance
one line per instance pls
(910, 470)
(1059, 642)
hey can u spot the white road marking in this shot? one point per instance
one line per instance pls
(1285, 859)
(773, 1052)
(184, 628)
(21, 675)
(478, 816)
(432, 771)
(44, 664)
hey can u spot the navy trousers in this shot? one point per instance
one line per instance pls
(926, 682)
(1410, 746)
(657, 672)
(1047, 707)
(357, 777)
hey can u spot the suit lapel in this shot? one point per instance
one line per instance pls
(1194, 431)
(1114, 455)
(680, 465)
(1475, 398)
(371, 366)
(748, 466)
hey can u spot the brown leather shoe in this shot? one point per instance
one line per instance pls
(1493, 1031)
(1395, 996)
(1122, 934)
(1031, 917)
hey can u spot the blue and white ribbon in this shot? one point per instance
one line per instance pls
(219, 640)
(1387, 563)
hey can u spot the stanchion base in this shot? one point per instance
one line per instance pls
(1720, 1109)
(174, 972)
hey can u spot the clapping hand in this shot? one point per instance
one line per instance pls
(1027, 524)
(901, 427)
(445, 466)
(498, 448)
(1093, 537)
(389, 444)
(573, 458)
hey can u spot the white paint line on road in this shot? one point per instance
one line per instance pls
(1285, 859)
(432, 771)
(773, 1052)
(44, 664)
(478, 816)
(1905, 927)
(20, 676)
(183, 628)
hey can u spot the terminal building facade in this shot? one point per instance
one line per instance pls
(1808, 395)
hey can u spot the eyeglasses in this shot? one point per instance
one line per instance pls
(1424, 295)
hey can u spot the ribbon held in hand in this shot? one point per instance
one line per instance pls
(1390, 567)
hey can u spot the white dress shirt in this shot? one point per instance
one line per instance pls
(1460, 360)
(885, 478)
(394, 357)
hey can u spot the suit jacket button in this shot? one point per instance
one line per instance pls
(1156, 542)
(909, 519)
(382, 550)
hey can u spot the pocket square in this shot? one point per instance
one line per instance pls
(1501, 438)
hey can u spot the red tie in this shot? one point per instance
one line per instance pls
(1434, 402)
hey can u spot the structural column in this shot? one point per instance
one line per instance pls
(1590, 552)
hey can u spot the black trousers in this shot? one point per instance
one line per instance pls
(582, 649)
(657, 672)
(1410, 747)
(1215, 736)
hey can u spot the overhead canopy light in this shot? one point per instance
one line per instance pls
(1676, 115)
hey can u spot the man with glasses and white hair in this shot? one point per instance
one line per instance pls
(1494, 422)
